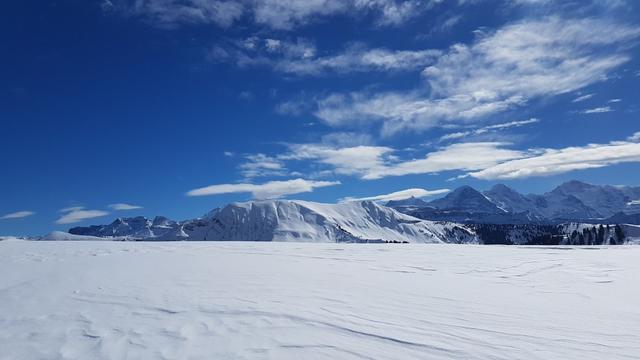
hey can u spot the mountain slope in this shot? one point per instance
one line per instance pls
(510, 200)
(287, 220)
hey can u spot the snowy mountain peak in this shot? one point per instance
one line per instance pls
(501, 189)
(466, 198)
(574, 186)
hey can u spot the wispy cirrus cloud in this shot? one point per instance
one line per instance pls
(174, 13)
(76, 214)
(557, 161)
(17, 215)
(400, 195)
(273, 14)
(598, 110)
(483, 160)
(462, 157)
(583, 98)
(300, 57)
(501, 70)
(353, 160)
(268, 190)
(260, 165)
(488, 129)
(375, 162)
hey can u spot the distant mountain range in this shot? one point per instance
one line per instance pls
(573, 201)
(288, 220)
(572, 213)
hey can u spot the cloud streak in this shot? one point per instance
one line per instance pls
(463, 156)
(582, 98)
(269, 190)
(598, 110)
(123, 206)
(558, 161)
(400, 195)
(17, 215)
(300, 57)
(261, 165)
(488, 129)
(77, 214)
(353, 160)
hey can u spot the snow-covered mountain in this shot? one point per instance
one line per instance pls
(571, 201)
(509, 200)
(604, 200)
(290, 220)
(138, 227)
(466, 198)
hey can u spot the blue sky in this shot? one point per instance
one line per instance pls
(165, 107)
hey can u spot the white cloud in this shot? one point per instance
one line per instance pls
(269, 190)
(286, 14)
(583, 98)
(487, 129)
(499, 71)
(346, 139)
(492, 160)
(401, 195)
(293, 107)
(300, 57)
(557, 161)
(484, 160)
(464, 156)
(173, 13)
(395, 12)
(123, 206)
(360, 59)
(598, 110)
(72, 208)
(356, 160)
(78, 213)
(614, 100)
(274, 14)
(18, 215)
(375, 162)
(259, 165)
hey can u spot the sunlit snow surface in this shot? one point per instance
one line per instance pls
(184, 300)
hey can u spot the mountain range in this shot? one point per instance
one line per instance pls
(571, 201)
(288, 220)
(572, 213)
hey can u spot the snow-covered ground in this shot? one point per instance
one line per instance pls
(213, 300)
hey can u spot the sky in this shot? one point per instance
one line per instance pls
(117, 108)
